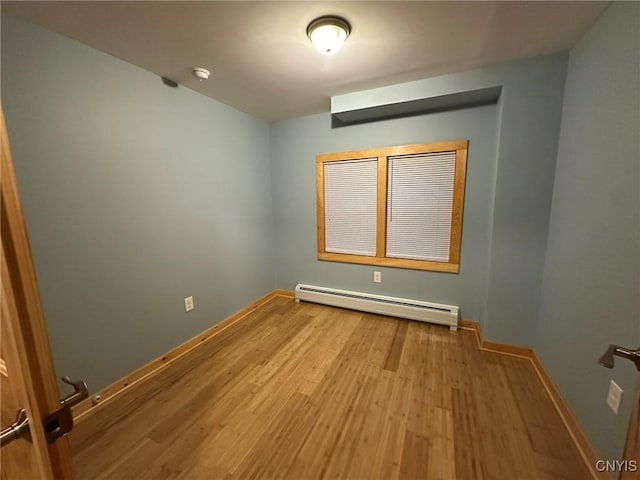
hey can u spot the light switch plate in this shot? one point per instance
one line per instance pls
(614, 397)
(188, 304)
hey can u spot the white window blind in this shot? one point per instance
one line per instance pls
(350, 194)
(419, 206)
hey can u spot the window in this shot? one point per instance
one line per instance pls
(395, 206)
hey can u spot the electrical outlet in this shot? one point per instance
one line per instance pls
(614, 397)
(377, 277)
(188, 304)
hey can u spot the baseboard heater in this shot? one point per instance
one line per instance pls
(391, 306)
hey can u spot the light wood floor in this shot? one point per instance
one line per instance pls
(302, 391)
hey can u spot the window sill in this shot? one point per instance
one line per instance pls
(391, 262)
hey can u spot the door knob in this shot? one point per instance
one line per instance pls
(55, 424)
(80, 392)
(18, 429)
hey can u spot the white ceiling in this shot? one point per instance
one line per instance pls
(262, 62)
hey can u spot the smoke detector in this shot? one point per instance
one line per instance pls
(200, 73)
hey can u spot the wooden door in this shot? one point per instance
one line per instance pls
(27, 376)
(632, 446)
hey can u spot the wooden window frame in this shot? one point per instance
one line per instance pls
(382, 154)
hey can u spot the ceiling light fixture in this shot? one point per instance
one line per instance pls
(327, 34)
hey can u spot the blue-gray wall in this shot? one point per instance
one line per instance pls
(591, 286)
(512, 153)
(294, 145)
(136, 195)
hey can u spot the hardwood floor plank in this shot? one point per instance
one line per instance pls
(389, 455)
(267, 459)
(142, 454)
(353, 422)
(393, 359)
(415, 456)
(440, 435)
(466, 430)
(303, 391)
(362, 464)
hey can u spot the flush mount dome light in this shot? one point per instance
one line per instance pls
(328, 34)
